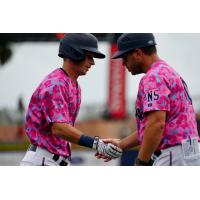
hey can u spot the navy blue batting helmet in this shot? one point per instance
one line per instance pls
(130, 41)
(74, 45)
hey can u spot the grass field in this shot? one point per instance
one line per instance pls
(14, 146)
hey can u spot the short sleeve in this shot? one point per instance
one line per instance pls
(54, 103)
(155, 94)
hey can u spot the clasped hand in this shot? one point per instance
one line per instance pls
(108, 149)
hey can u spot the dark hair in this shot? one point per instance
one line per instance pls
(149, 50)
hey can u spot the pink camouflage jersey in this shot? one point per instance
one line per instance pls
(162, 88)
(57, 99)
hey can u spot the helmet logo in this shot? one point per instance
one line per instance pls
(150, 42)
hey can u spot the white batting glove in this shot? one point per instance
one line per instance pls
(109, 150)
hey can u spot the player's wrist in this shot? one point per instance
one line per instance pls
(86, 141)
(139, 162)
(89, 142)
(96, 142)
(121, 145)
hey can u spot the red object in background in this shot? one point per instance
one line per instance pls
(117, 79)
(60, 35)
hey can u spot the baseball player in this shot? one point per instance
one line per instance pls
(55, 104)
(166, 124)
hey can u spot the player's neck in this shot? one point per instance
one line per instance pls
(71, 73)
(149, 61)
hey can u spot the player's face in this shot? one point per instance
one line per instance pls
(84, 66)
(133, 61)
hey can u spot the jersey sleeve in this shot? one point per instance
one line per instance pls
(54, 103)
(155, 94)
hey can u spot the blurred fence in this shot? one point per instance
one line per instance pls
(91, 119)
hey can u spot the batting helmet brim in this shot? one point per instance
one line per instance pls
(119, 54)
(97, 53)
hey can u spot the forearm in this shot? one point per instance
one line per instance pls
(66, 132)
(151, 140)
(129, 141)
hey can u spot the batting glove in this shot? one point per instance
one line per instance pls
(109, 150)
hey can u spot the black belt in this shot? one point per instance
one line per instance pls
(56, 157)
(157, 153)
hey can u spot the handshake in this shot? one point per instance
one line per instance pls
(106, 150)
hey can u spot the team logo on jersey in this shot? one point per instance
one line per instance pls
(150, 96)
